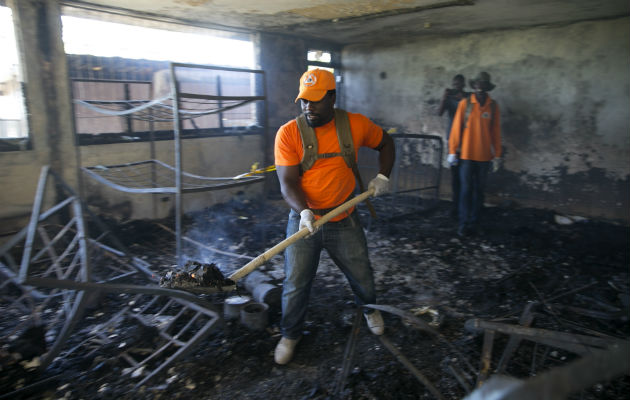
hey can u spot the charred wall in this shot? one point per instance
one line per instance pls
(48, 106)
(50, 123)
(283, 59)
(564, 98)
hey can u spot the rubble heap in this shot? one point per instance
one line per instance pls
(195, 275)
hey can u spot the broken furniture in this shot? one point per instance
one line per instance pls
(411, 320)
(601, 359)
(66, 266)
(203, 98)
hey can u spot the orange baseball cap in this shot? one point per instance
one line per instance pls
(314, 84)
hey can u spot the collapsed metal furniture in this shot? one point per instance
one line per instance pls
(602, 358)
(203, 98)
(64, 269)
(415, 322)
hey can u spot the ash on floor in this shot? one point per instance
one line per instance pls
(519, 256)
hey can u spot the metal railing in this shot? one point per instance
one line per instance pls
(415, 179)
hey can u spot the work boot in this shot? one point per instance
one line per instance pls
(284, 350)
(375, 322)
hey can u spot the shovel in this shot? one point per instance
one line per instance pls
(267, 255)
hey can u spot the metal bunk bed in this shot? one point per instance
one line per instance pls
(155, 176)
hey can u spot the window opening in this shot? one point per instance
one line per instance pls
(121, 67)
(320, 59)
(13, 126)
(328, 60)
(319, 55)
(113, 39)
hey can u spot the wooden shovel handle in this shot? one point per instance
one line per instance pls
(266, 256)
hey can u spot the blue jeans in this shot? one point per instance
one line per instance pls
(473, 176)
(345, 243)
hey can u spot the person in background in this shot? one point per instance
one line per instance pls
(450, 100)
(326, 184)
(476, 137)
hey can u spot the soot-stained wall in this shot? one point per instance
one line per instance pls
(283, 59)
(563, 93)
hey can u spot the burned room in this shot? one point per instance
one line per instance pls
(179, 220)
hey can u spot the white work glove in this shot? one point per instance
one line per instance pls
(496, 164)
(452, 160)
(380, 185)
(307, 218)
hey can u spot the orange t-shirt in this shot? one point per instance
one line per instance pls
(329, 182)
(481, 140)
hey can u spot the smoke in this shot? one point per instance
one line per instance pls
(227, 227)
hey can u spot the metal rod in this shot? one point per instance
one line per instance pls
(486, 357)
(461, 379)
(16, 394)
(404, 361)
(86, 270)
(15, 239)
(118, 288)
(76, 312)
(422, 325)
(527, 317)
(152, 155)
(220, 102)
(177, 128)
(348, 354)
(30, 234)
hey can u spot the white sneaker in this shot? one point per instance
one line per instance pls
(375, 322)
(284, 350)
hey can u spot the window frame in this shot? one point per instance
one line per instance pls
(24, 143)
(108, 69)
(256, 127)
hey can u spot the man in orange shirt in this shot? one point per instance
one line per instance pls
(328, 183)
(449, 103)
(476, 132)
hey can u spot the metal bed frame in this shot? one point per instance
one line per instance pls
(61, 270)
(159, 177)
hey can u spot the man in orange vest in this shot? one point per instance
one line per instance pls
(476, 135)
(325, 184)
(449, 103)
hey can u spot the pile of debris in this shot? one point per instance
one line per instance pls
(196, 276)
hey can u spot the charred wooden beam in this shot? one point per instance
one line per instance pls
(579, 344)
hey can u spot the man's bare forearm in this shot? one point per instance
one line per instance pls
(292, 193)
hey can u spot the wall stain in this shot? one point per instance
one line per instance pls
(591, 193)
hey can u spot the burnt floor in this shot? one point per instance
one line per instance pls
(519, 256)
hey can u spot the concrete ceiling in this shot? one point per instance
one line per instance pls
(364, 21)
